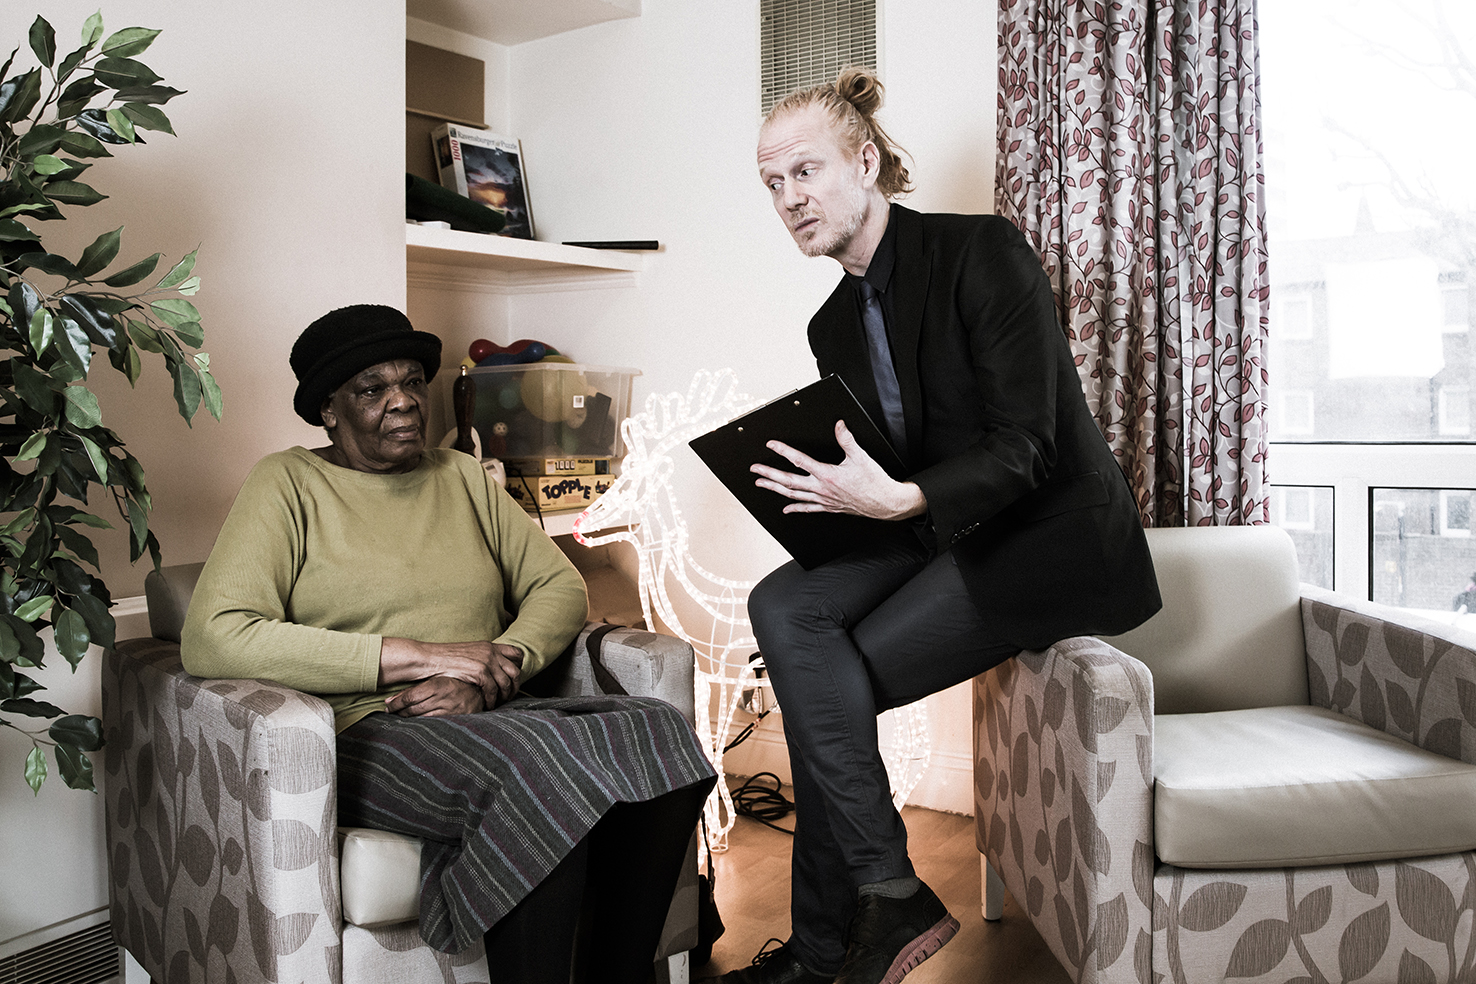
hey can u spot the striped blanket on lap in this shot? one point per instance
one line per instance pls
(502, 796)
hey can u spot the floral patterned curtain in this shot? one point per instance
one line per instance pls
(1130, 155)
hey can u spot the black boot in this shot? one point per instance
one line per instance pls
(890, 937)
(776, 966)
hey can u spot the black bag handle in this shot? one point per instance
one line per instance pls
(603, 677)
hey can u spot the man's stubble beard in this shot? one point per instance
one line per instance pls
(839, 237)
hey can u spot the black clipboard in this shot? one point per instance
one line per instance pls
(805, 420)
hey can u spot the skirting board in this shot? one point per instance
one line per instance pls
(946, 786)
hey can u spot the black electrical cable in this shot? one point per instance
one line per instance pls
(758, 801)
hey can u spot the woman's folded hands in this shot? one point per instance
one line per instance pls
(453, 677)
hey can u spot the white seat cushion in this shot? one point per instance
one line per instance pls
(1280, 786)
(379, 875)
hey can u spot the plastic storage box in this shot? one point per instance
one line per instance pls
(551, 409)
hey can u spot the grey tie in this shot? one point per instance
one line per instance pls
(881, 367)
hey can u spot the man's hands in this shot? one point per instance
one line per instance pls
(858, 485)
(455, 677)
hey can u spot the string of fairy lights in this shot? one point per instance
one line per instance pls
(641, 509)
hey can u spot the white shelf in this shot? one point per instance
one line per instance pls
(448, 247)
(559, 523)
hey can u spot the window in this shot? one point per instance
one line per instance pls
(1293, 318)
(1294, 413)
(1306, 513)
(1457, 309)
(1455, 410)
(1362, 209)
(1368, 223)
(1423, 552)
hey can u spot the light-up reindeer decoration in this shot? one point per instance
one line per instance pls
(640, 509)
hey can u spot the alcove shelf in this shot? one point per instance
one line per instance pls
(497, 259)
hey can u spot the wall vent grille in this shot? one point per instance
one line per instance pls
(806, 42)
(88, 956)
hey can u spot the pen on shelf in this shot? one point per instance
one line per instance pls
(633, 244)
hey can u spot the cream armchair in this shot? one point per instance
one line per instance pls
(1265, 781)
(227, 860)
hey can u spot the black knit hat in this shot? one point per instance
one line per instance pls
(344, 342)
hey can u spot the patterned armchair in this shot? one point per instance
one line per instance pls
(1265, 781)
(227, 863)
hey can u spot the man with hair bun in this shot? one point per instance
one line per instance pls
(1014, 528)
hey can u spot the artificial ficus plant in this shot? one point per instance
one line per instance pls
(55, 313)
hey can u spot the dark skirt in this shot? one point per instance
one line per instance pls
(501, 797)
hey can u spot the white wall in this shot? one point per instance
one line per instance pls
(646, 129)
(286, 173)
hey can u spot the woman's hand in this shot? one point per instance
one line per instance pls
(436, 697)
(493, 668)
(857, 486)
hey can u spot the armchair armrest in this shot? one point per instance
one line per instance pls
(221, 821)
(1064, 800)
(645, 663)
(1411, 677)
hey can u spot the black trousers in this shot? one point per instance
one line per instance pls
(621, 877)
(882, 627)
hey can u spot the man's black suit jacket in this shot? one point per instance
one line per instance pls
(1019, 481)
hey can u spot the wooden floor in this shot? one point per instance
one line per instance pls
(753, 896)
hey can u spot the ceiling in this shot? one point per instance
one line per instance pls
(516, 21)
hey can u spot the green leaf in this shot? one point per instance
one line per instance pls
(74, 192)
(80, 730)
(71, 637)
(121, 124)
(12, 231)
(31, 708)
(100, 624)
(92, 30)
(191, 286)
(69, 64)
(48, 165)
(43, 139)
(121, 73)
(75, 97)
(214, 401)
(43, 41)
(83, 145)
(57, 266)
(89, 313)
(79, 544)
(35, 388)
(95, 122)
(10, 647)
(129, 42)
(19, 96)
(104, 250)
(180, 274)
(35, 769)
(82, 408)
(153, 94)
(146, 117)
(144, 336)
(33, 447)
(186, 390)
(96, 456)
(67, 514)
(78, 347)
(75, 766)
(131, 275)
(190, 333)
(35, 608)
(22, 519)
(133, 366)
(42, 329)
(175, 311)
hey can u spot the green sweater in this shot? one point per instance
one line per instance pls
(317, 563)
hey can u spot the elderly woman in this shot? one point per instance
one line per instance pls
(398, 583)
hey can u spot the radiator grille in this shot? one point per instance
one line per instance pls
(88, 956)
(806, 42)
